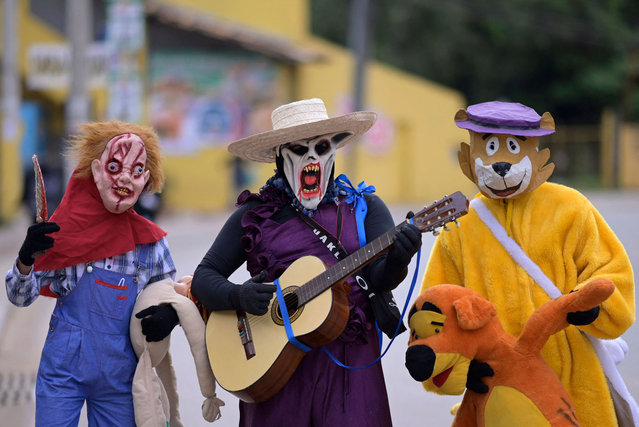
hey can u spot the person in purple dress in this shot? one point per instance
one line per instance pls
(270, 230)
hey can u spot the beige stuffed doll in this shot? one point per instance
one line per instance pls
(155, 397)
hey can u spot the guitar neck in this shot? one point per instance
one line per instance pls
(429, 219)
(345, 267)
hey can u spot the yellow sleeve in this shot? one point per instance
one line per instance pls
(444, 264)
(600, 254)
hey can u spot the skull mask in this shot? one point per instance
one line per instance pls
(308, 164)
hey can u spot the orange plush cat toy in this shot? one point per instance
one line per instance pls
(451, 326)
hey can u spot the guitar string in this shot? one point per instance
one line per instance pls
(255, 319)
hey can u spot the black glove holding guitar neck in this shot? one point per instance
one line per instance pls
(388, 274)
(37, 240)
(253, 296)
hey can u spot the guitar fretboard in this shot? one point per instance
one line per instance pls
(345, 267)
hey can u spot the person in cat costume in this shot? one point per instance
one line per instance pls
(526, 240)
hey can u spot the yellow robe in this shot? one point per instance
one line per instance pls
(570, 241)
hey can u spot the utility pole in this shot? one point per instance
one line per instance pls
(79, 20)
(11, 95)
(358, 42)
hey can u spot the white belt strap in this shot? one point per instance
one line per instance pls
(609, 352)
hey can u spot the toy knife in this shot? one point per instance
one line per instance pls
(40, 194)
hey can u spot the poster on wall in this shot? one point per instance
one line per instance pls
(125, 40)
(380, 138)
(217, 98)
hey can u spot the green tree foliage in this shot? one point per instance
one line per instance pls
(570, 57)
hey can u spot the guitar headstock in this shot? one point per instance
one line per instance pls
(440, 213)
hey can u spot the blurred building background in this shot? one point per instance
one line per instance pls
(204, 73)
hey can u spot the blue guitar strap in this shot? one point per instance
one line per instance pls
(408, 298)
(287, 321)
(356, 196)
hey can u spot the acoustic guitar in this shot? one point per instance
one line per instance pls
(251, 355)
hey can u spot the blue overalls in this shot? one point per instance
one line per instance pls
(88, 354)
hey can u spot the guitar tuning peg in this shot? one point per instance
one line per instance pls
(446, 228)
(456, 223)
(436, 232)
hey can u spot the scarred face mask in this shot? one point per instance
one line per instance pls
(120, 174)
(308, 164)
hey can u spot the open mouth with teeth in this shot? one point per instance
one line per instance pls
(122, 191)
(310, 180)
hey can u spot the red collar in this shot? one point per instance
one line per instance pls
(89, 232)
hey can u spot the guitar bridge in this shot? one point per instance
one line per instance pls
(244, 330)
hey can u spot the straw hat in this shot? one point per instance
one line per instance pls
(300, 120)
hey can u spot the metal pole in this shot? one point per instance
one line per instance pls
(11, 92)
(79, 19)
(358, 42)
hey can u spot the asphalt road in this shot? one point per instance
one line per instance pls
(22, 331)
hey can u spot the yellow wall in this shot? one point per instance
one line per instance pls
(419, 167)
(421, 164)
(10, 180)
(629, 156)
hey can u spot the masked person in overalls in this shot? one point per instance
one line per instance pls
(100, 256)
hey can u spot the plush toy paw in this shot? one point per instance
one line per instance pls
(580, 318)
(477, 371)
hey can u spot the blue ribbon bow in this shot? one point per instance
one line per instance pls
(356, 196)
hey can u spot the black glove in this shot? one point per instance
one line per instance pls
(476, 371)
(158, 321)
(253, 296)
(37, 241)
(406, 242)
(583, 317)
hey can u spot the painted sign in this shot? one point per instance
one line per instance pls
(49, 66)
(213, 101)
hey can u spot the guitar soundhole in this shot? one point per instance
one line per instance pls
(291, 306)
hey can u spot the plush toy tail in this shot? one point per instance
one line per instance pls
(550, 318)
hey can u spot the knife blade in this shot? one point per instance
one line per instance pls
(40, 193)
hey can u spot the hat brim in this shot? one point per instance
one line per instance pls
(261, 147)
(475, 127)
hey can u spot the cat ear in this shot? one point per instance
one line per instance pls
(547, 122)
(465, 162)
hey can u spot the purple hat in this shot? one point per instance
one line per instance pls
(502, 117)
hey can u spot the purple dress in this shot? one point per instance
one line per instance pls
(320, 393)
